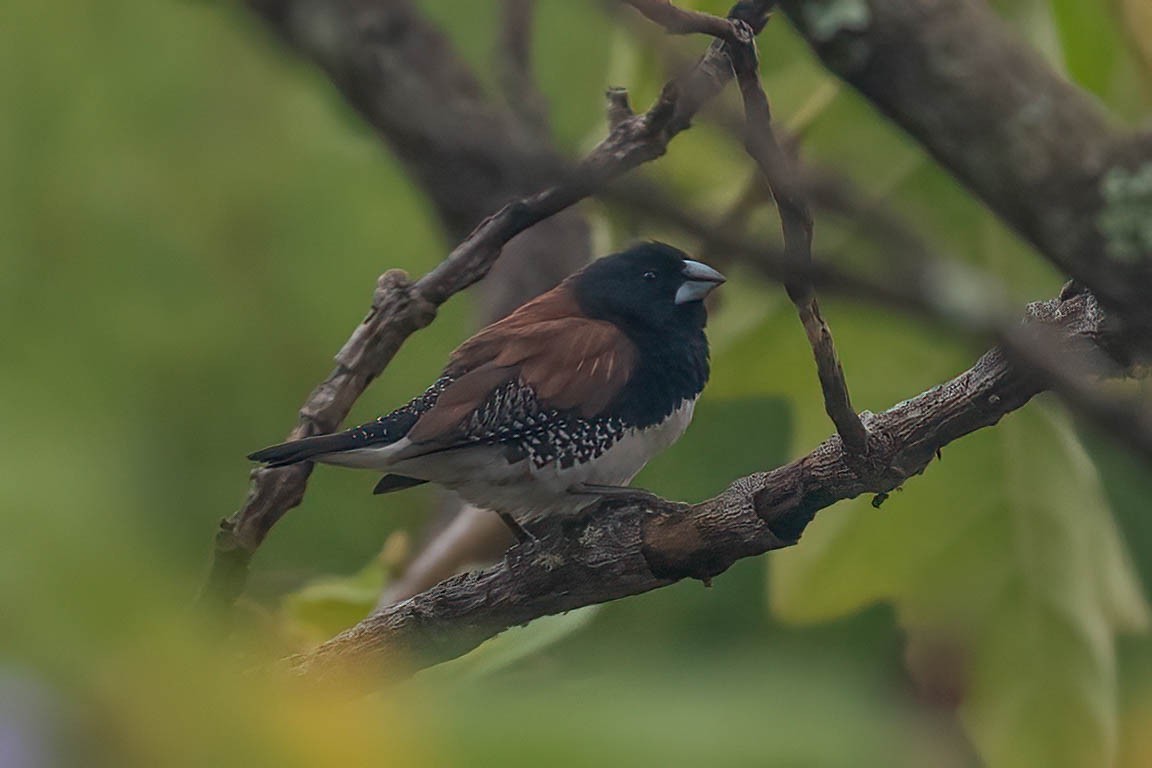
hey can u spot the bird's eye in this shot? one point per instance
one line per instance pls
(649, 275)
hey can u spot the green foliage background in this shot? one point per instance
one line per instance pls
(191, 222)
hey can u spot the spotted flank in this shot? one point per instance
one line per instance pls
(512, 417)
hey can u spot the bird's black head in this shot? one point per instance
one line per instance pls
(649, 288)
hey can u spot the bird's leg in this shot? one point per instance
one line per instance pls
(520, 532)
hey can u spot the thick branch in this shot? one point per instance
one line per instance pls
(628, 546)
(1039, 152)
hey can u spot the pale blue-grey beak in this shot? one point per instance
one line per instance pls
(699, 280)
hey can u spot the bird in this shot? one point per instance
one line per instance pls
(558, 404)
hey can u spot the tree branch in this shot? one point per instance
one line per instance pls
(628, 546)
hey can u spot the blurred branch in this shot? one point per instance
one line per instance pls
(796, 221)
(1037, 150)
(400, 307)
(465, 151)
(626, 546)
(514, 62)
(472, 537)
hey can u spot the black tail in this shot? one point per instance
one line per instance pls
(302, 450)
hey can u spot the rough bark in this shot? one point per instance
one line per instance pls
(1038, 151)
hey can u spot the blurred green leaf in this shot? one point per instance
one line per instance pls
(1090, 41)
(329, 604)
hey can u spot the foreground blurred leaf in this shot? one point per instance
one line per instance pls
(177, 699)
(1138, 20)
(1007, 547)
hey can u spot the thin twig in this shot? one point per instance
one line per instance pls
(678, 21)
(796, 220)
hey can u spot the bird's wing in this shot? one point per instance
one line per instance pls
(506, 378)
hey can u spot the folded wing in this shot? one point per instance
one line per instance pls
(545, 357)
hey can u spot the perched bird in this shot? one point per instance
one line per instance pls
(564, 400)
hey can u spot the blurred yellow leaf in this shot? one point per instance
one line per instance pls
(1138, 21)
